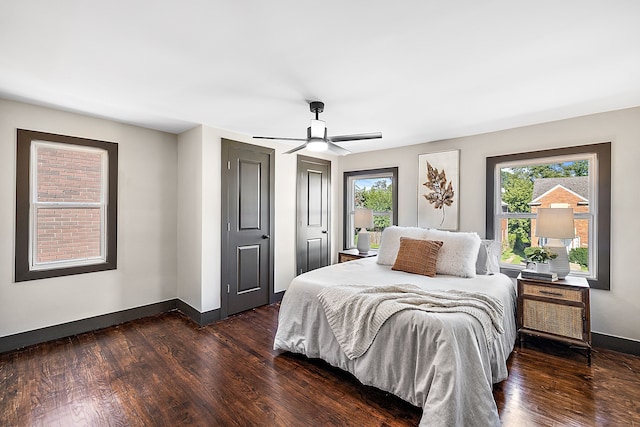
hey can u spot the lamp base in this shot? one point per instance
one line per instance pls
(363, 242)
(559, 265)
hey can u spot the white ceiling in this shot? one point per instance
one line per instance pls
(417, 71)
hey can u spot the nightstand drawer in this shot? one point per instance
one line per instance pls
(558, 319)
(550, 292)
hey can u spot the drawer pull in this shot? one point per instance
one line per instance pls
(555, 294)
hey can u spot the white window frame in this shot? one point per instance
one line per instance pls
(349, 200)
(591, 216)
(36, 205)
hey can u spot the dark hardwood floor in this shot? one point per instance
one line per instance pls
(164, 370)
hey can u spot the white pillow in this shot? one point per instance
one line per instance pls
(489, 257)
(390, 242)
(458, 254)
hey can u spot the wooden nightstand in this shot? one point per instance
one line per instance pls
(351, 254)
(555, 310)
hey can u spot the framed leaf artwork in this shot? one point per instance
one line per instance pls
(438, 190)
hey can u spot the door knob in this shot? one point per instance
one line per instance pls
(324, 231)
(265, 236)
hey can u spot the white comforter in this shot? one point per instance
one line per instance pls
(445, 365)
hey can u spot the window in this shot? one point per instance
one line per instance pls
(375, 189)
(66, 191)
(576, 177)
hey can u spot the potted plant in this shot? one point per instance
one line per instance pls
(539, 257)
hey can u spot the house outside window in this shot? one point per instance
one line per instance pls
(576, 177)
(564, 192)
(370, 189)
(66, 205)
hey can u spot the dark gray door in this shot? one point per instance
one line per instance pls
(247, 220)
(313, 213)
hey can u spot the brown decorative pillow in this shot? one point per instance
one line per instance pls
(417, 256)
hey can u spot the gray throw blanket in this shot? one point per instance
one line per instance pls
(357, 312)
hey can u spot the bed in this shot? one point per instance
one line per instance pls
(441, 362)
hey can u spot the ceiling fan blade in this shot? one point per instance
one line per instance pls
(336, 149)
(340, 138)
(281, 139)
(296, 149)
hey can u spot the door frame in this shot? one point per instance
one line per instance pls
(224, 218)
(327, 163)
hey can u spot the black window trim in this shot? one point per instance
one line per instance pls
(603, 152)
(23, 174)
(345, 192)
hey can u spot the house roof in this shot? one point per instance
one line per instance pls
(576, 184)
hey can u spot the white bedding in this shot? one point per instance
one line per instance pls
(438, 361)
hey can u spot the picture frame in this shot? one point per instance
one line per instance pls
(439, 190)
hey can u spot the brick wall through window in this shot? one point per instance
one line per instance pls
(68, 176)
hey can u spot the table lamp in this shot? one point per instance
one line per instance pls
(363, 219)
(556, 224)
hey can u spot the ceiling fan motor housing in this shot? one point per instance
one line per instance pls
(316, 107)
(317, 130)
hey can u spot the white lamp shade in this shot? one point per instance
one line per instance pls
(555, 223)
(363, 218)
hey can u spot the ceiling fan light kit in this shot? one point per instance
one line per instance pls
(317, 139)
(317, 145)
(316, 136)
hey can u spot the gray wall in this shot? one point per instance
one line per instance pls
(615, 312)
(147, 224)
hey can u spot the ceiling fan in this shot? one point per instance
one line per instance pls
(317, 139)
